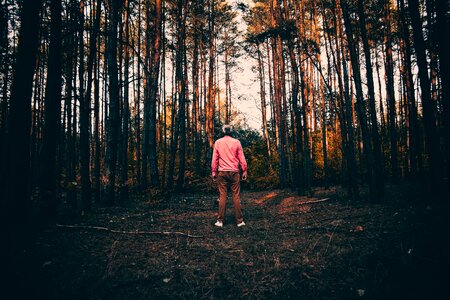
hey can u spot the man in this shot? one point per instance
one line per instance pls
(227, 157)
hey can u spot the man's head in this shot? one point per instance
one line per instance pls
(227, 129)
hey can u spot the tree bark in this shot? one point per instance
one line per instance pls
(48, 175)
(147, 103)
(4, 64)
(378, 158)
(429, 108)
(15, 204)
(443, 32)
(211, 94)
(181, 88)
(95, 62)
(262, 87)
(277, 89)
(113, 121)
(415, 143)
(360, 103)
(152, 102)
(195, 88)
(85, 112)
(137, 121)
(125, 110)
(390, 92)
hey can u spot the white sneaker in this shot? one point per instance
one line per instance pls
(241, 224)
(219, 224)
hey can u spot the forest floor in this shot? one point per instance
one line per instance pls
(319, 247)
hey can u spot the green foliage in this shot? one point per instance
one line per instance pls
(261, 173)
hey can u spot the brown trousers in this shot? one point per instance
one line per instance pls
(227, 179)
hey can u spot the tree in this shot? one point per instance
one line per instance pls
(414, 141)
(48, 175)
(15, 185)
(125, 108)
(92, 59)
(113, 124)
(429, 108)
(85, 111)
(378, 158)
(360, 103)
(443, 30)
(390, 92)
(154, 75)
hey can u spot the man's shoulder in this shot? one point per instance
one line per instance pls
(223, 141)
(227, 139)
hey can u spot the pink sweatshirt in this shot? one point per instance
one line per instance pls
(227, 155)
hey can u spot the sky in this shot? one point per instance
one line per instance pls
(245, 87)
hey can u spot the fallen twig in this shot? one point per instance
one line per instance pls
(130, 232)
(314, 201)
(111, 256)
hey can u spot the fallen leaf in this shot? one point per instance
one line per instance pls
(359, 228)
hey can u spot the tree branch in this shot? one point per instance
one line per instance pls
(130, 232)
(314, 201)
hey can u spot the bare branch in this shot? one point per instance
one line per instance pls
(130, 232)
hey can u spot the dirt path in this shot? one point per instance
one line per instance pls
(328, 249)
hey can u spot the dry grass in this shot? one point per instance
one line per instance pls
(335, 249)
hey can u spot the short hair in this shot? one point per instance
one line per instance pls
(227, 129)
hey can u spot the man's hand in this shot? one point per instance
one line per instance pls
(244, 176)
(214, 177)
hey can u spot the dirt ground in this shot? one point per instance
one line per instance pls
(319, 247)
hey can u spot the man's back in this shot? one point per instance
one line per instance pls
(228, 155)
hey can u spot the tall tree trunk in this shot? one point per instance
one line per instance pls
(415, 143)
(429, 108)
(262, 86)
(95, 66)
(360, 103)
(305, 107)
(164, 97)
(351, 155)
(431, 45)
(70, 139)
(380, 94)
(52, 114)
(211, 93)
(154, 76)
(174, 129)
(390, 92)
(181, 86)
(378, 158)
(227, 78)
(298, 176)
(277, 99)
(324, 138)
(147, 105)
(85, 112)
(15, 204)
(195, 89)
(443, 32)
(137, 121)
(4, 65)
(346, 107)
(113, 121)
(125, 111)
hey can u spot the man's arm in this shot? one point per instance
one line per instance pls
(214, 162)
(242, 162)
